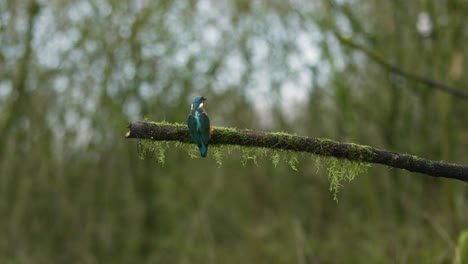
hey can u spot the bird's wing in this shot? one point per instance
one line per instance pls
(205, 127)
(192, 126)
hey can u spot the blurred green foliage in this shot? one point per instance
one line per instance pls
(73, 73)
(463, 247)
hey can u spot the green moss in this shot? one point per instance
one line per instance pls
(282, 134)
(225, 134)
(189, 148)
(317, 162)
(248, 153)
(161, 157)
(320, 146)
(360, 152)
(231, 148)
(340, 170)
(216, 153)
(228, 129)
(293, 161)
(153, 149)
(275, 157)
(164, 123)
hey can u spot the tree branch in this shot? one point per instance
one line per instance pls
(319, 146)
(457, 92)
(10, 116)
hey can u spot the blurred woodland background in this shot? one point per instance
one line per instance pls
(74, 73)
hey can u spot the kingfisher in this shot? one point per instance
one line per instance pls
(199, 125)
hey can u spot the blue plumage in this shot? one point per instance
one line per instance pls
(199, 125)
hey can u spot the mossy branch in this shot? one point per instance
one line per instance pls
(318, 146)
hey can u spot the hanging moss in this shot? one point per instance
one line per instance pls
(153, 149)
(190, 149)
(162, 153)
(275, 157)
(164, 131)
(216, 153)
(293, 161)
(248, 154)
(317, 162)
(338, 170)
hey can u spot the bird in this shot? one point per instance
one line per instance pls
(199, 125)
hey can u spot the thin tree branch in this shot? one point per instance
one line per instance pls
(319, 146)
(457, 92)
(10, 116)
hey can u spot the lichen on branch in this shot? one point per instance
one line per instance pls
(294, 143)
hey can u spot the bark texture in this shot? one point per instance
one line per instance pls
(319, 146)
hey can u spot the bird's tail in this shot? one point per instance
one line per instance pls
(203, 150)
